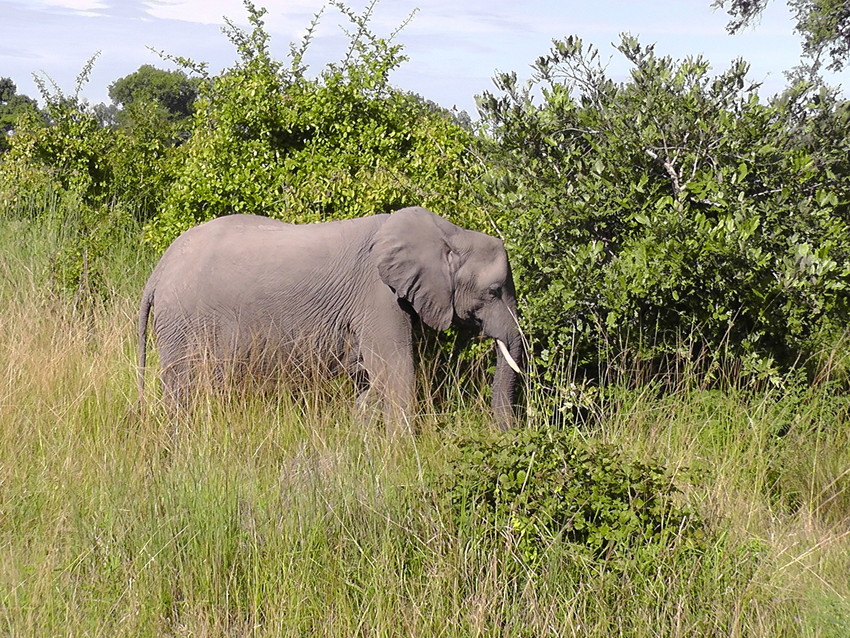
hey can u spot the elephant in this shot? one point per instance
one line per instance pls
(263, 296)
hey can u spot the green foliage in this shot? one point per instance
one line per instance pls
(537, 486)
(99, 180)
(172, 91)
(12, 106)
(143, 159)
(269, 140)
(672, 209)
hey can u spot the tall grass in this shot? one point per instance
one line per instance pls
(289, 515)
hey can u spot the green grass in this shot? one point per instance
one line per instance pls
(288, 515)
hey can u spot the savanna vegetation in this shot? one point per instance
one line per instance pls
(681, 250)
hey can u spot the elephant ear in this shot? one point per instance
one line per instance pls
(414, 257)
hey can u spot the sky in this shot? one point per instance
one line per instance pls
(454, 46)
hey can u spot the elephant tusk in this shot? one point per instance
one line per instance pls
(507, 356)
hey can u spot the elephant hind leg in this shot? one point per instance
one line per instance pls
(185, 364)
(177, 383)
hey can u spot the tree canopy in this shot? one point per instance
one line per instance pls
(824, 25)
(12, 105)
(173, 91)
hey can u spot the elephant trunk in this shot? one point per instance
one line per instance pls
(506, 378)
(505, 385)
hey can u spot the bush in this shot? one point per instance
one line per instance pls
(269, 140)
(541, 486)
(672, 210)
(103, 167)
(92, 184)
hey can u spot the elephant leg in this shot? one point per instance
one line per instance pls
(361, 388)
(178, 373)
(177, 385)
(389, 366)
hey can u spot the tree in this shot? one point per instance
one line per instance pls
(12, 105)
(173, 91)
(107, 114)
(824, 25)
(96, 176)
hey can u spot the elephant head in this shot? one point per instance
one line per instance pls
(451, 275)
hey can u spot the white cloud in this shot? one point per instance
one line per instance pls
(88, 7)
(199, 11)
(213, 11)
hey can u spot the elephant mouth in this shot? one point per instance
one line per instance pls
(477, 327)
(472, 323)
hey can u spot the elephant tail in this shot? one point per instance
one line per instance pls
(144, 313)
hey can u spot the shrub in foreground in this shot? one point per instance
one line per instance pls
(538, 486)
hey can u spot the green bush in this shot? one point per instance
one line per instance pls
(539, 486)
(90, 185)
(674, 210)
(102, 167)
(269, 140)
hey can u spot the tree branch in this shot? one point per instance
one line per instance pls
(671, 170)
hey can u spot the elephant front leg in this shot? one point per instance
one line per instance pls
(391, 383)
(367, 403)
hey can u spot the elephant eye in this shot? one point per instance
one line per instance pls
(495, 291)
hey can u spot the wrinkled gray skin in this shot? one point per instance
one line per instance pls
(257, 296)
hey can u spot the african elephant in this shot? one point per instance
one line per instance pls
(252, 291)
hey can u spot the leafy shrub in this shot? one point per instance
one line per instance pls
(171, 93)
(12, 106)
(270, 140)
(537, 486)
(675, 207)
(69, 144)
(127, 168)
(88, 182)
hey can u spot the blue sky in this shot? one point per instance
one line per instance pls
(454, 46)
